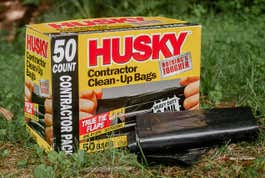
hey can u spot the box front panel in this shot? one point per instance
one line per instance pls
(137, 54)
(136, 70)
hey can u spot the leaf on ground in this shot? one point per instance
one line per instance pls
(226, 104)
(8, 115)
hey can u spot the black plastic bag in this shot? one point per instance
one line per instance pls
(180, 137)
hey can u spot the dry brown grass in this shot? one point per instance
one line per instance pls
(233, 160)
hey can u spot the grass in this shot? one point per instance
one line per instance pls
(233, 69)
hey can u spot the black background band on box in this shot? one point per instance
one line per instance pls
(56, 97)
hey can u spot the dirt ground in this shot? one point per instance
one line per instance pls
(229, 161)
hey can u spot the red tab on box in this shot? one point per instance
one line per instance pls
(29, 108)
(94, 123)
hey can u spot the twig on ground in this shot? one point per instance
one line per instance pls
(105, 169)
(8, 115)
(242, 158)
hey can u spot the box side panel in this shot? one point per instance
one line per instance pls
(64, 57)
(145, 70)
(38, 109)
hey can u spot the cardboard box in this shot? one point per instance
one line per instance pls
(83, 76)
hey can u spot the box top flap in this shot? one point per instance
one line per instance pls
(86, 25)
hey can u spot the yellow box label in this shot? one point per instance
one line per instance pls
(38, 63)
(117, 59)
(104, 144)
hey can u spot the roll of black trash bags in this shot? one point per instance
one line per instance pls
(180, 137)
(141, 101)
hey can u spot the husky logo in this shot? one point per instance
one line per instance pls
(37, 45)
(121, 50)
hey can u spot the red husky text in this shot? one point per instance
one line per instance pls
(37, 45)
(139, 48)
(87, 23)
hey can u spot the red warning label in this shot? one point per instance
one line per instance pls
(94, 123)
